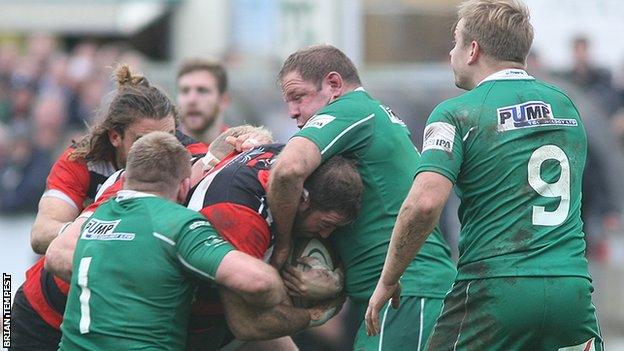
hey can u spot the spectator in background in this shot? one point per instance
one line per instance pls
(590, 78)
(202, 99)
(22, 95)
(22, 177)
(602, 194)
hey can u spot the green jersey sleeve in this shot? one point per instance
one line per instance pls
(201, 249)
(335, 133)
(443, 148)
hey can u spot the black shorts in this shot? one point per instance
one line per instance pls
(28, 331)
(210, 339)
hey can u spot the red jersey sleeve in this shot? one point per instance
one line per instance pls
(244, 228)
(68, 180)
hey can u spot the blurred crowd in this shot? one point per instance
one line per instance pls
(50, 93)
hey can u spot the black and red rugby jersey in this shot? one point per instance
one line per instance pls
(76, 182)
(233, 198)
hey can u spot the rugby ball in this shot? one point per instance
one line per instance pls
(311, 247)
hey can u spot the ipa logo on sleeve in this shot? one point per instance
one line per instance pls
(439, 136)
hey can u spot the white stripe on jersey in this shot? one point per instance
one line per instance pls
(196, 202)
(164, 238)
(345, 132)
(107, 184)
(194, 269)
(60, 195)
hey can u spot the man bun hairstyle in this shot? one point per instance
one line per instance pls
(133, 100)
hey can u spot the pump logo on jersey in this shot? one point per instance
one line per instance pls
(97, 229)
(529, 114)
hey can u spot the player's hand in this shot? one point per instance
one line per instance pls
(381, 295)
(324, 311)
(317, 283)
(280, 254)
(248, 141)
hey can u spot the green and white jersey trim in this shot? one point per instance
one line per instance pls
(508, 74)
(123, 195)
(346, 131)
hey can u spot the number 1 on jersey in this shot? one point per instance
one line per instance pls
(85, 294)
(560, 188)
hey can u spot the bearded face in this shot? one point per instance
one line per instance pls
(199, 101)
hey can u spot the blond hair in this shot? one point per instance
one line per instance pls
(220, 148)
(157, 162)
(500, 27)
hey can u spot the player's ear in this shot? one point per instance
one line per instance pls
(475, 51)
(224, 101)
(183, 190)
(304, 200)
(335, 82)
(115, 137)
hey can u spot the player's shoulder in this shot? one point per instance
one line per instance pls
(68, 157)
(166, 215)
(195, 147)
(68, 171)
(165, 209)
(354, 105)
(553, 89)
(451, 107)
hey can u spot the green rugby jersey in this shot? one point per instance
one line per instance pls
(361, 128)
(132, 285)
(515, 149)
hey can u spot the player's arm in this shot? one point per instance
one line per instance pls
(66, 190)
(61, 250)
(249, 322)
(316, 283)
(255, 281)
(60, 253)
(52, 215)
(207, 255)
(296, 162)
(417, 218)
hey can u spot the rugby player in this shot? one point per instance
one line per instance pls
(202, 98)
(515, 149)
(120, 302)
(232, 198)
(337, 116)
(137, 108)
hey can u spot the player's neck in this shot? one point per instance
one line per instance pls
(168, 196)
(487, 69)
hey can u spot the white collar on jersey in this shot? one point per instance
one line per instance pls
(508, 74)
(123, 195)
(359, 89)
